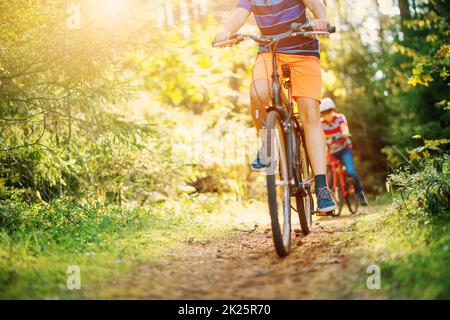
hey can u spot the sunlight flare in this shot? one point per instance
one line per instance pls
(112, 9)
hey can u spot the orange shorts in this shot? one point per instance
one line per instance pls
(306, 74)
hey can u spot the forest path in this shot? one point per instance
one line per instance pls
(330, 263)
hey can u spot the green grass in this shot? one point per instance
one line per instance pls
(39, 242)
(419, 266)
(419, 225)
(411, 241)
(413, 255)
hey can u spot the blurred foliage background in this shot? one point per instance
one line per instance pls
(93, 93)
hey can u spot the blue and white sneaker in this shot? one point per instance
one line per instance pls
(325, 201)
(259, 165)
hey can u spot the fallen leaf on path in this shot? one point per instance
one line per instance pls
(248, 246)
(331, 261)
(304, 271)
(260, 273)
(247, 231)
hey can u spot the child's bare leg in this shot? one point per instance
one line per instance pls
(259, 99)
(316, 145)
(315, 139)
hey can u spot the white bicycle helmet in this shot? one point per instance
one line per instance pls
(327, 104)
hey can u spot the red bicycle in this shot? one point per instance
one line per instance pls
(342, 186)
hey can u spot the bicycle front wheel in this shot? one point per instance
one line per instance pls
(278, 189)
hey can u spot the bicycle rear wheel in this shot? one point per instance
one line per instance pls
(351, 199)
(337, 193)
(340, 200)
(278, 189)
(304, 199)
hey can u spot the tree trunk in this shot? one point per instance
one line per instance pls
(177, 11)
(191, 9)
(380, 25)
(405, 14)
(405, 11)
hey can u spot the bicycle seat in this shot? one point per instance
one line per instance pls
(286, 71)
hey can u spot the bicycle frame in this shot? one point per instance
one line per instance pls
(277, 104)
(338, 174)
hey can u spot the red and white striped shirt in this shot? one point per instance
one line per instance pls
(334, 134)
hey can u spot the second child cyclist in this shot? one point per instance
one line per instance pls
(337, 135)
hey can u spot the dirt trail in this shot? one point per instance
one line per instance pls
(244, 265)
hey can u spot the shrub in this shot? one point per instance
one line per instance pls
(424, 185)
(67, 225)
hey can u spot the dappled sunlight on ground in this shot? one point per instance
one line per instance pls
(243, 264)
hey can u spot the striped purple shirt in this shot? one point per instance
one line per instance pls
(275, 17)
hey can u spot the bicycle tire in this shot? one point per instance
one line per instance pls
(337, 194)
(304, 202)
(340, 202)
(351, 199)
(281, 236)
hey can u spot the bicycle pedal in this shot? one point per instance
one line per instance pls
(324, 214)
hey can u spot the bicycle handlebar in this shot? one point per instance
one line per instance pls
(237, 38)
(296, 30)
(308, 27)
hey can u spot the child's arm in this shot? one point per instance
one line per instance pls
(320, 12)
(236, 21)
(344, 129)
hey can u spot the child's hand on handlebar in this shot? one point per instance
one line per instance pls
(320, 25)
(223, 36)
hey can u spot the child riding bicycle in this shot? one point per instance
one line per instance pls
(302, 55)
(339, 144)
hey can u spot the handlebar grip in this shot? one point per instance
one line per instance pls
(235, 39)
(297, 26)
(218, 44)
